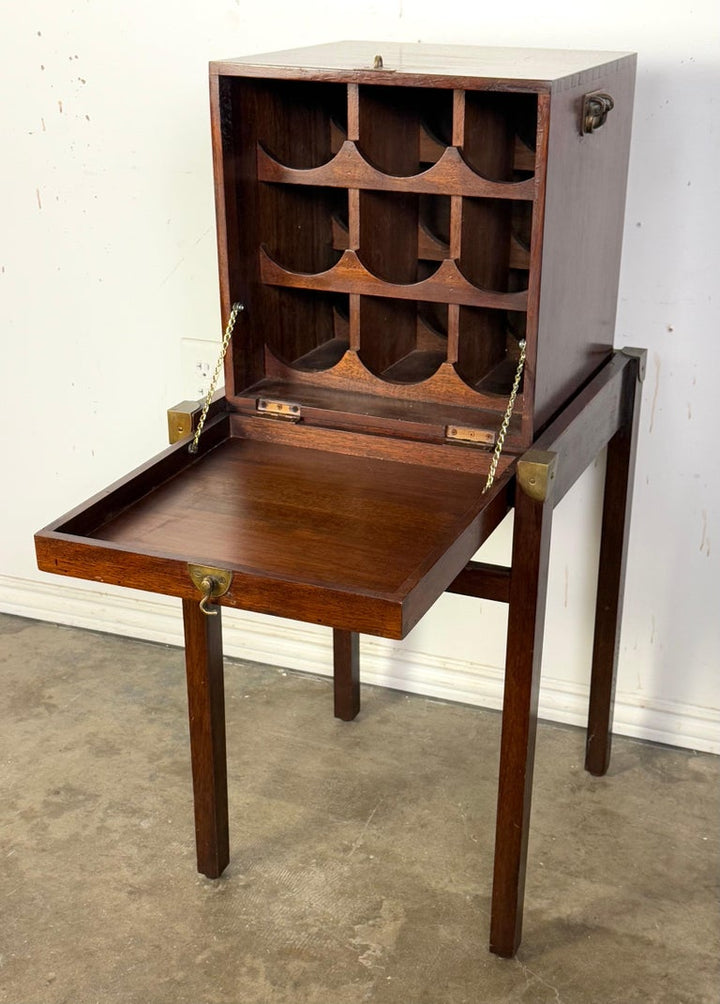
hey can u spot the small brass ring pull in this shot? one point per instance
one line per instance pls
(595, 110)
(208, 586)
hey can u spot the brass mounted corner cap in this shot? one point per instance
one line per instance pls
(536, 473)
(182, 420)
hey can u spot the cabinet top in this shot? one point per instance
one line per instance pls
(526, 69)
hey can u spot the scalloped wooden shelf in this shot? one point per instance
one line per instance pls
(451, 175)
(349, 275)
(443, 387)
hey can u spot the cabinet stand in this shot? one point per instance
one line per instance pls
(605, 413)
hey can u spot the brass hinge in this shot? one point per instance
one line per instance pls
(285, 410)
(466, 434)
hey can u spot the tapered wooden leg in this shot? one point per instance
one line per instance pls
(206, 707)
(617, 502)
(346, 674)
(528, 588)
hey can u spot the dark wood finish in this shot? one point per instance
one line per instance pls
(426, 65)
(446, 386)
(271, 513)
(444, 569)
(322, 405)
(485, 582)
(582, 237)
(605, 406)
(114, 499)
(536, 251)
(346, 674)
(619, 478)
(233, 139)
(489, 136)
(472, 460)
(591, 419)
(482, 345)
(350, 168)
(389, 130)
(486, 146)
(393, 234)
(206, 711)
(446, 285)
(528, 588)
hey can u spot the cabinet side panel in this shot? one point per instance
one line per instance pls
(582, 240)
(234, 141)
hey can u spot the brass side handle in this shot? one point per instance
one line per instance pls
(595, 110)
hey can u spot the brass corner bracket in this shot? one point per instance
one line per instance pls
(182, 420)
(536, 473)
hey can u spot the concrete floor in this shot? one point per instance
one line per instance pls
(361, 853)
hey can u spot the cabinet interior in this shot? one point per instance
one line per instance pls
(381, 238)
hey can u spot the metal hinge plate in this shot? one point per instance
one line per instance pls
(285, 410)
(221, 578)
(212, 583)
(466, 434)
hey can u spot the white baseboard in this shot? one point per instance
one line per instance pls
(307, 648)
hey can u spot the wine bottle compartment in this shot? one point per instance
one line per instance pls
(310, 330)
(303, 123)
(495, 243)
(402, 130)
(488, 348)
(432, 242)
(521, 239)
(399, 132)
(434, 227)
(398, 230)
(298, 225)
(400, 226)
(402, 341)
(499, 134)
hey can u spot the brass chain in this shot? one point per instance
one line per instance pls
(506, 420)
(236, 308)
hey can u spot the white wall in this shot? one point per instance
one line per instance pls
(108, 293)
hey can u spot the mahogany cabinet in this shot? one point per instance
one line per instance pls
(422, 240)
(395, 232)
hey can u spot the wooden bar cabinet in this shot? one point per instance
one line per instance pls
(419, 251)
